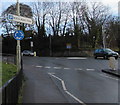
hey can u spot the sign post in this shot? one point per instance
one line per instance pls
(18, 49)
(20, 19)
(68, 46)
(31, 44)
(19, 35)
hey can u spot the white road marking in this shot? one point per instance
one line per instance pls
(51, 73)
(66, 68)
(82, 58)
(78, 69)
(75, 98)
(63, 85)
(57, 67)
(65, 89)
(103, 75)
(39, 66)
(57, 58)
(47, 67)
(90, 69)
(55, 77)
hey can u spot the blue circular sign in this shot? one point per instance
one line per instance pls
(18, 35)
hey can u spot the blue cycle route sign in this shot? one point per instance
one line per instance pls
(18, 35)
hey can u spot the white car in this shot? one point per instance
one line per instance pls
(27, 53)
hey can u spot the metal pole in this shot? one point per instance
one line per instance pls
(18, 49)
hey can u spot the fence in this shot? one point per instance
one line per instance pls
(9, 58)
(10, 90)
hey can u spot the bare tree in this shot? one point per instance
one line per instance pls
(77, 11)
(94, 17)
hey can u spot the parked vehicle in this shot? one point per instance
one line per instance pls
(105, 53)
(27, 53)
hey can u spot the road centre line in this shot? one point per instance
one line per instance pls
(47, 67)
(75, 98)
(63, 85)
(57, 67)
(55, 76)
(90, 69)
(75, 58)
(103, 75)
(66, 68)
(78, 69)
(65, 89)
(39, 66)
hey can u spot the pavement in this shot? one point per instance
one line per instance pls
(39, 88)
(112, 72)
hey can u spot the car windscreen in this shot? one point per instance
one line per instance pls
(108, 50)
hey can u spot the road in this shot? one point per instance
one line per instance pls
(78, 79)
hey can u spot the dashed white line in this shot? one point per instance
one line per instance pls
(39, 66)
(47, 67)
(66, 68)
(78, 69)
(57, 67)
(51, 73)
(82, 58)
(90, 69)
(65, 89)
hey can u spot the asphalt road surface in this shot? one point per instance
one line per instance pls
(77, 79)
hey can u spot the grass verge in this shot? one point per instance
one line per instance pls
(8, 71)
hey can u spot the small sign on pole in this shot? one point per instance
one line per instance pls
(18, 35)
(20, 19)
(31, 44)
(68, 46)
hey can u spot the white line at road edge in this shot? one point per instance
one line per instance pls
(81, 58)
(108, 77)
(65, 89)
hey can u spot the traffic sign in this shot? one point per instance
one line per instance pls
(20, 19)
(68, 46)
(18, 35)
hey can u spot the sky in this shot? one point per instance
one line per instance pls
(112, 4)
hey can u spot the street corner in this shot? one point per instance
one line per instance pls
(112, 72)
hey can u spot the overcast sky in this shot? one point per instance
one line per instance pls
(112, 4)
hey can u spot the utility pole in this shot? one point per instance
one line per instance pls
(18, 48)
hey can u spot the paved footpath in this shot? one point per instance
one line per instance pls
(39, 87)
